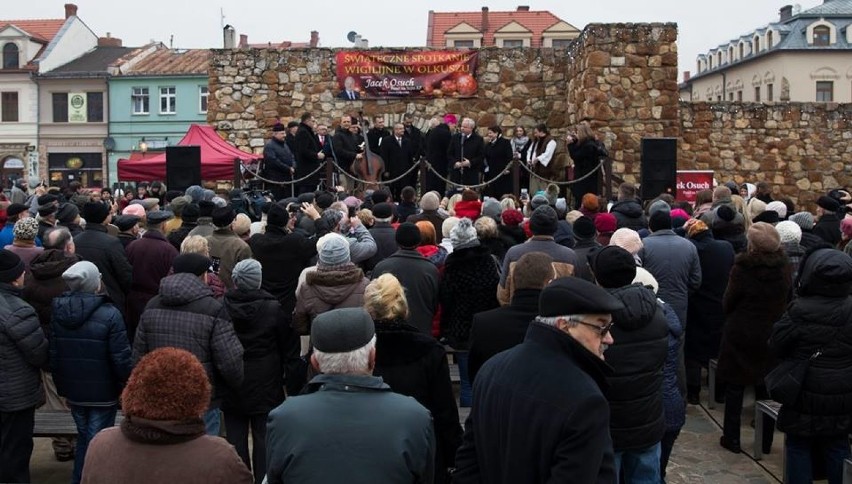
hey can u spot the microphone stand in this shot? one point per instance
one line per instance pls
(461, 170)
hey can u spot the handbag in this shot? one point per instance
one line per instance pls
(785, 382)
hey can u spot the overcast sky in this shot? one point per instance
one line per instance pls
(196, 23)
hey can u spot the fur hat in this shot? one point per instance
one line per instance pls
(762, 237)
(627, 239)
(789, 232)
(25, 229)
(430, 201)
(189, 263)
(223, 216)
(463, 235)
(768, 216)
(805, 220)
(828, 204)
(277, 216)
(95, 212)
(195, 193)
(167, 384)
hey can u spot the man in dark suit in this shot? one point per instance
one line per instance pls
(467, 154)
(498, 155)
(345, 143)
(414, 135)
(377, 133)
(398, 154)
(349, 91)
(499, 329)
(437, 146)
(308, 153)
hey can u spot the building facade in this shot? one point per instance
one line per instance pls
(519, 28)
(154, 102)
(805, 57)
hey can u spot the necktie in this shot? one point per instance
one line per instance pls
(351, 95)
(399, 140)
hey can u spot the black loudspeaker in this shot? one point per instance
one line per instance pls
(183, 167)
(659, 167)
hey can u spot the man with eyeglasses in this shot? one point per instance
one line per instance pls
(539, 413)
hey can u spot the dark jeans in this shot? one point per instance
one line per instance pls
(799, 451)
(90, 421)
(667, 445)
(734, 410)
(237, 429)
(16, 445)
(465, 387)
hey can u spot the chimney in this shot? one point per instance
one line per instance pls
(228, 41)
(686, 75)
(314, 39)
(523, 8)
(786, 12)
(243, 41)
(109, 41)
(484, 20)
(70, 10)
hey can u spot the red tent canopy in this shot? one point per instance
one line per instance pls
(217, 158)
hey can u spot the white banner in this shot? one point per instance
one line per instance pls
(77, 107)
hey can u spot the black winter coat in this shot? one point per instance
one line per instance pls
(705, 313)
(415, 365)
(277, 160)
(89, 350)
(44, 282)
(177, 236)
(286, 255)
(498, 155)
(185, 315)
(819, 320)
(437, 148)
(828, 228)
(23, 352)
(582, 248)
(385, 236)
(552, 418)
(270, 350)
(469, 286)
(307, 147)
(105, 251)
(757, 294)
(637, 355)
(629, 214)
(502, 328)
(420, 279)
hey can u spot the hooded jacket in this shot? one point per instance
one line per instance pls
(23, 351)
(89, 350)
(819, 319)
(185, 315)
(325, 290)
(637, 355)
(44, 282)
(629, 214)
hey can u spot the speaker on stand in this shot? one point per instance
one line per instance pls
(183, 167)
(658, 167)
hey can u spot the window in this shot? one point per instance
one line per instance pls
(561, 43)
(757, 94)
(719, 98)
(11, 58)
(822, 35)
(770, 92)
(824, 92)
(203, 95)
(9, 105)
(167, 100)
(756, 45)
(512, 43)
(730, 96)
(139, 99)
(719, 58)
(463, 44)
(730, 55)
(711, 63)
(739, 96)
(60, 107)
(94, 107)
(769, 40)
(742, 50)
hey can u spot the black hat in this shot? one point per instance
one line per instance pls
(67, 213)
(383, 210)
(726, 213)
(205, 208)
(11, 266)
(125, 222)
(190, 213)
(277, 216)
(47, 199)
(306, 198)
(191, 263)
(324, 200)
(379, 196)
(572, 295)
(612, 266)
(172, 194)
(342, 330)
(828, 203)
(15, 208)
(768, 216)
(222, 217)
(407, 235)
(825, 272)
(544, 220)
(45, 210)
(584, 228)
(293, 124)
(159, 216)
(278, 127)
(95, 212)
(660, 220)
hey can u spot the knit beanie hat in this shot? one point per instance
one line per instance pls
(726, 213)
(11, 266)
(538, 200)
(789, 232)
(543, 221)
(627, 239)
(659, 205)
(430, 201)
(95, 212)
(584, 229)
(606, 223)
(137, 210)
(762, 237)
(805, 220)
(177, 205)
(208, 195)
(463, 235)
(779, 208)
(195, 193)
(335, 252)
(67, 213)
(25, 229)
(612, 266)
(190, 213)
(223, 216)
(168, 384)
(491, 208)
(247, 274)
(407, 236)
(83, 277)
(660, 220)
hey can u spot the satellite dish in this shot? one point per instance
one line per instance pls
(109, 143)
(351, 35)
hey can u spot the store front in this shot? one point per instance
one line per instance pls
(86, 168)
(11, 168)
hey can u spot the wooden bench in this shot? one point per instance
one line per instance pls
(711, 382)
(761, 408)
(59, 424)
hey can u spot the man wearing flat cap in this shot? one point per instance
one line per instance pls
(279, 163)
(539, 413)
(375, 435)
(828, 222)
(151, 257)
(226, 247)
(48, 205)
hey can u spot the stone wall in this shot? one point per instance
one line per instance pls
(803, 149)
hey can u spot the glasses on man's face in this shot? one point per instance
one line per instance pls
(602, 330)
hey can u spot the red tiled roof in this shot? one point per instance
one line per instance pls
(40, 29)
(281, 45)
(171, 61)
(537, 21)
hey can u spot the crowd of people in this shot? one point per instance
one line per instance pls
(319, 327)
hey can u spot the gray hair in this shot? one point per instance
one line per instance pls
(553, 320)
(388, 219)
(470, 122)
(355, 362)
(57, 238)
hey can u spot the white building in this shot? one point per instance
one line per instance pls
(806, 57)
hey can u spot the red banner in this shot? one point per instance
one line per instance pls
(390, 74)
(690, 182)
